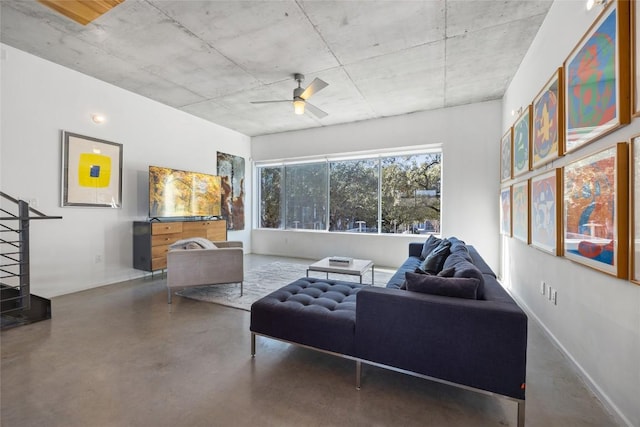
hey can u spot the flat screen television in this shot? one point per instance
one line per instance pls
(178, 193)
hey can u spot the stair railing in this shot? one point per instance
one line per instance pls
(14, 254)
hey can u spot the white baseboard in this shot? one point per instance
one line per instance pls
(611, 407)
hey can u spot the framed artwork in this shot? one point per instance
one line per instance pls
(522, 143)
(547, 130)
(91, 172)
(596, 210)
(231, 172)
(635, 209)
(505, 211)
(596, 75)
(505, 156)
(635, 58)
(520, 210)
(545, 212)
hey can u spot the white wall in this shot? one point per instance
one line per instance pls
(597, 318)
(39, 99)
(469, 135)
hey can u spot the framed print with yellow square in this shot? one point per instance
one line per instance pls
(91, 171)
(547, 122)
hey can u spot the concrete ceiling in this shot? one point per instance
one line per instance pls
(211, 58)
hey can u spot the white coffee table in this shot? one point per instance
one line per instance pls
(357, 267)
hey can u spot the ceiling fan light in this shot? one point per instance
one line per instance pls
(298, 106)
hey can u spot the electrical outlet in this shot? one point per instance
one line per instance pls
(543, 287)
(554, 297)
(551, 291)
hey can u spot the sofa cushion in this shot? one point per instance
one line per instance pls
(465, 269)
(443, 286)
(447, 272)
(434, 262)
(431, 243)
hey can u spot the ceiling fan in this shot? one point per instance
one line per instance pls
(300, 96)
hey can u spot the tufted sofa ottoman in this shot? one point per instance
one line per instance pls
(310, 311)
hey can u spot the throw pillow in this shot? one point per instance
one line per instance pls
(193, 243)
(447, 272)
(428, 246)
(465, 269)
(443, 286)
(435, 260)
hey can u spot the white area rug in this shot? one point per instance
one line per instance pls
(265, 279)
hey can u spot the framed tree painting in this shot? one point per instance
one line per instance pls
(505, 156)
(91, 171)
(635, 209)
(547, 131)
(545, 212)
(596, 210)
(505, 211)
(522, 143)
(231, 172)
(596, 75)
(520, 210)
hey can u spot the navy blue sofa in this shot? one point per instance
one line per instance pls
(478, 344)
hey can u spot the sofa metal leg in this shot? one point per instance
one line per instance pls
(358, 373)
(241, 284)
(253, 344)
(521, 406)
(168, 295)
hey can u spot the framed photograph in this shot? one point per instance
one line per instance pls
(596, 75)
(505, 156)
(520, 210)
(545, 212)
(596, 211)
(91, 171)
(522, 143)
(635, 59)
(635, 209)
(547, 132)
(505, 211)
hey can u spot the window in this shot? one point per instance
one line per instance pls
(354, 196)
(306, 196)
(385, 194)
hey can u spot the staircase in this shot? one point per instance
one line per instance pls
(17, 305)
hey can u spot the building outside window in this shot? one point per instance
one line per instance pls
(382, 194)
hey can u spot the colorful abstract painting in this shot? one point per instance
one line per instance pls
(590, 233)
(505, 211)
(591, 84)
(546, 132)
(521, 141)
(544, 211)
(92, 172)
(520, 211)
(505, 156)
(231, 172)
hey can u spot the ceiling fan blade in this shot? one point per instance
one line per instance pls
(315, 86)
(315, 110)
(269, 102)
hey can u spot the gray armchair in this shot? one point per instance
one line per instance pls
(199, 267)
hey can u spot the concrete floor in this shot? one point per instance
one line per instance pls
(120, 356)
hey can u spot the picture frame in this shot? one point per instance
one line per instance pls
(520, 211)
(597, 79)
(506, 159)
(505, 211)
(546, 211)
(634, 202)
(595, 200)
(547, 122)
(522, 143)
(635, 58)
(91, 172)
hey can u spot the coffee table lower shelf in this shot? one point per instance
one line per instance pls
(357, 267)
